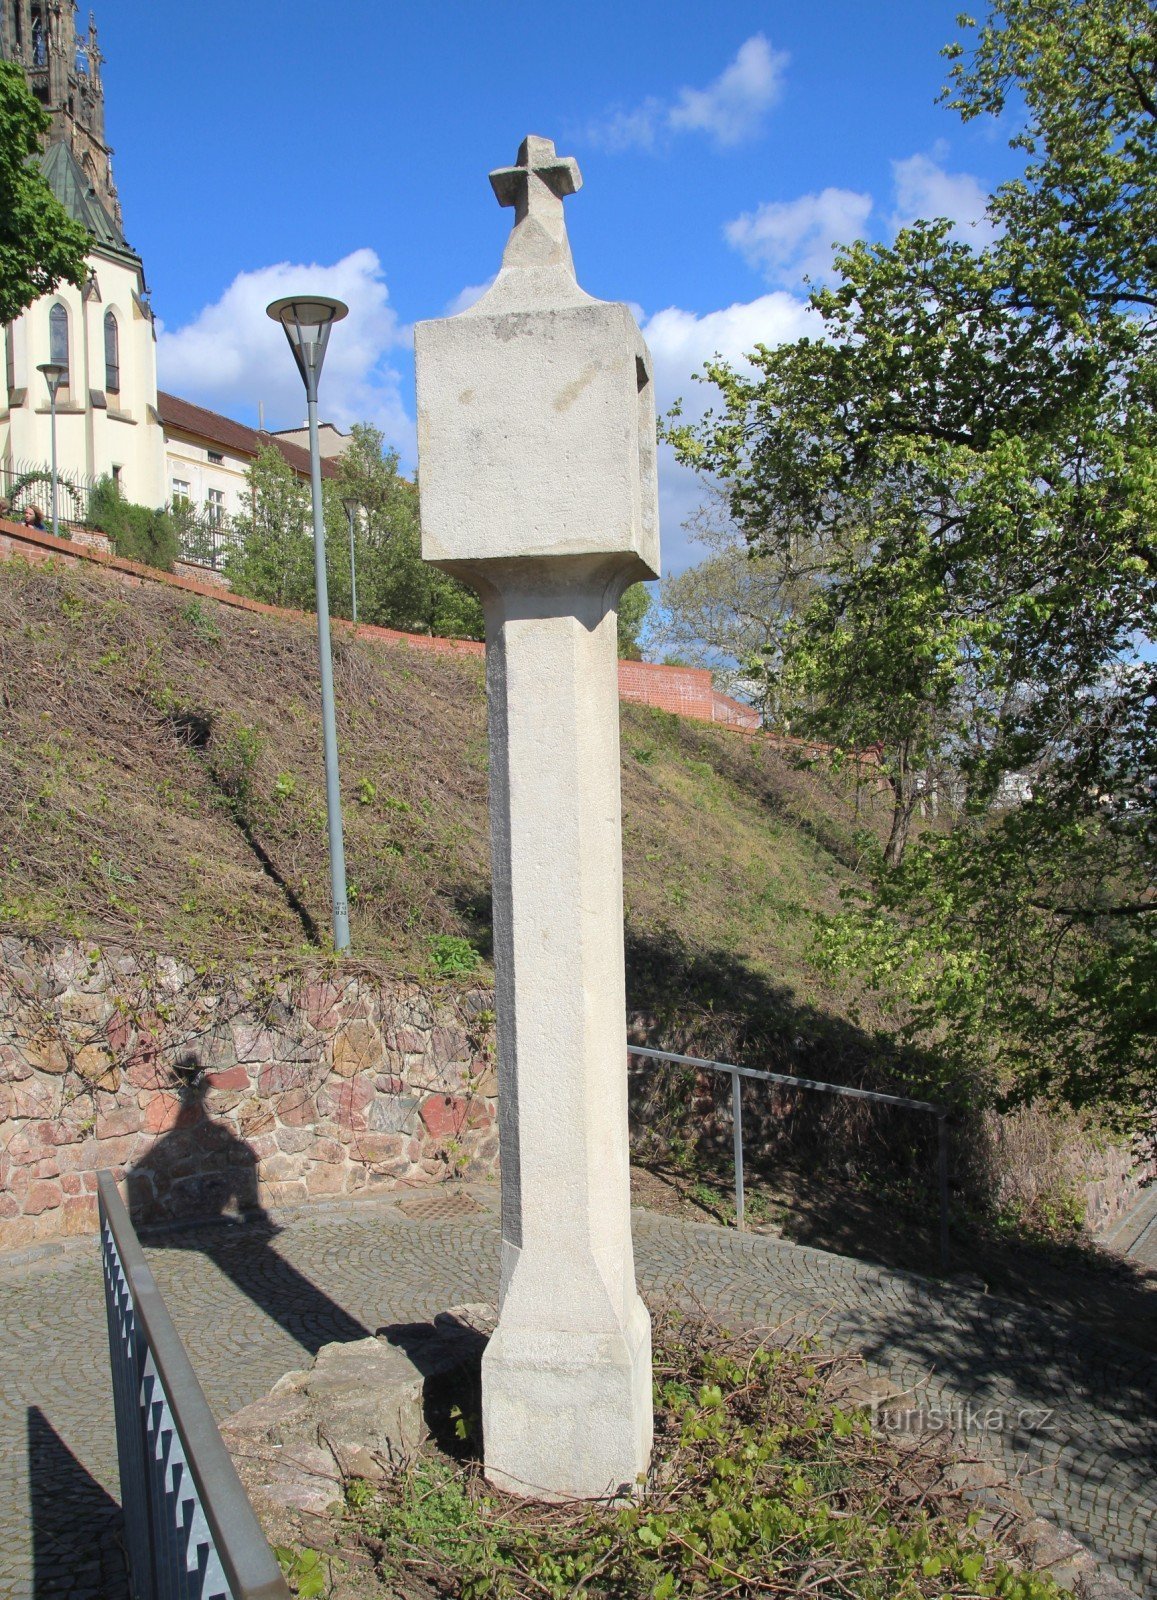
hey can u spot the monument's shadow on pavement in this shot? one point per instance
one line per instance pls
(196, 1189)
(77, 1553)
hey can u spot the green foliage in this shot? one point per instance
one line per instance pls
(970, 450)
(201, 620)
(451, 955)
(729, 612)
(396, 588)
(137, 532)
(634, 610)
(273, 558)
(305, 1571)
(40, 244)
(764, 1488)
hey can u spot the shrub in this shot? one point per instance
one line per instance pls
(138, 533)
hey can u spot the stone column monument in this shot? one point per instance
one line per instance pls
(536, 446)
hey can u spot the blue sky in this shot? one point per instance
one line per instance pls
(267, 147)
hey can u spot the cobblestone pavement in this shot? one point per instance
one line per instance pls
(1071, 1412)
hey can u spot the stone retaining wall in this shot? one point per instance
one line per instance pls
(210, 1099)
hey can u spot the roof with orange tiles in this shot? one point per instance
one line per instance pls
(186, 417)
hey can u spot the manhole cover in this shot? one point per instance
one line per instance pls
(440, 1205)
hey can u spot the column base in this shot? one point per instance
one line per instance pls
(568, 1415)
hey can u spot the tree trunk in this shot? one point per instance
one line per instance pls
(904, 797)
(898, 837)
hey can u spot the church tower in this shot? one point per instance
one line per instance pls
(63, 72)
(103, 334)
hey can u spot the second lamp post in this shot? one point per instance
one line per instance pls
(55, 375)
(307, 320)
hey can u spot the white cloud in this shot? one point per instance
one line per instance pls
(466, 297)
(680, 342)
(924, 189)
(730, 110)
(230, 355)
(638, 129)
(786, 239)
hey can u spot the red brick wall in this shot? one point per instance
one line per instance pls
(684, 690)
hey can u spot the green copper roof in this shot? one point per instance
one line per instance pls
(70, 186)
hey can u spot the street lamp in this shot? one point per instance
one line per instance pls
(55, 374)
(351, 511)
(307, 320)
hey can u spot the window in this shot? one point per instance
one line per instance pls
(112, 354)
(58, 337)
(216, 507)
(116, 476)
(180, 491)
(215, 455)
(10, 358)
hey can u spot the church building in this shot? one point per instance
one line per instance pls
(110, 420)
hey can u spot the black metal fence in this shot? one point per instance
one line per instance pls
(29, 483)
(190, 1532)
(204, 536)
(738, 1074)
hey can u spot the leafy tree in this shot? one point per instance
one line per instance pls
(972, 446)
(634, 611)
(396, 588)
(730, 612)
(40, 244)
(272, 559)
(138, 533)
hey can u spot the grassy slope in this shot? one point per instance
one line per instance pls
(161, 781)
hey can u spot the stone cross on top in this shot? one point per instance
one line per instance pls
(536, 446)
(536, 187)
(537, 184)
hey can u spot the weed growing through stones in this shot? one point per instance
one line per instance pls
(763, 1484)
(451, 956)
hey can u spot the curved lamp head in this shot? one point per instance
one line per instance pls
(55, 374)
(307, 319)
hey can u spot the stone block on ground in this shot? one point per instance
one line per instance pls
(363, 1408)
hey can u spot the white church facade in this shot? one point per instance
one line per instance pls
(110, 419)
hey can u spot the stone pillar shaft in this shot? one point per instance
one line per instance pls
(573, 1335)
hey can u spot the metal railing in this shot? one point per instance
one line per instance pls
(737, 1075)
(190, 1532)
(204, 536)
(27, 483)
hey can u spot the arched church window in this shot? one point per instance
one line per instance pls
(39, 54)
(58, 336)
(112, 354)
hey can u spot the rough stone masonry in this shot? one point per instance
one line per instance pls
(536, 442)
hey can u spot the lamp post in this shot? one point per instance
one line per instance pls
(307, 320)
(54, 375)
(351, 511)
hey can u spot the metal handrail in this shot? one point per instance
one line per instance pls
(737, 1073)
(200, 1540)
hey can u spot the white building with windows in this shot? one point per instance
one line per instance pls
(110, 419)
(208, 455)
(102, 333)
